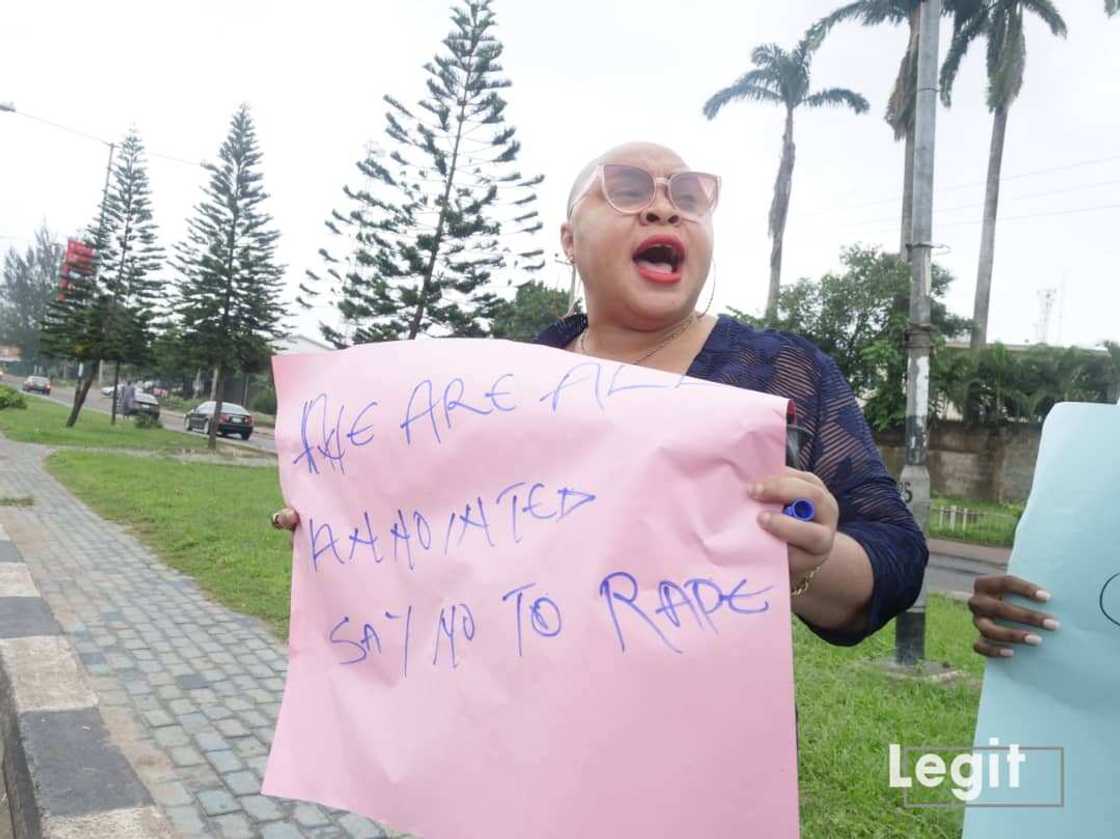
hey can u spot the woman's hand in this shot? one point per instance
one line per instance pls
(810, 542)
(987, 605)
(286, 519)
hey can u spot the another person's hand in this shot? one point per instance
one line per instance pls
(810, 542)
(286, 519)
(987, 606)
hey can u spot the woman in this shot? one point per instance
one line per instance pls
(639, 231)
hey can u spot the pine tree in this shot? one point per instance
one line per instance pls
(105, 313)
(437, 218)
(131, 260)
(230, 282)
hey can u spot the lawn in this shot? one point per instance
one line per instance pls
(985, 523)
(207, 520)
(211, 522)
(45, 422)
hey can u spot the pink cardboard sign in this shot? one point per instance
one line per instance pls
(530, 597)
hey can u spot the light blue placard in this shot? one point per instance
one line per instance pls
(1065, 693)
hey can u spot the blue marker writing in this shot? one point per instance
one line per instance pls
(801, 509)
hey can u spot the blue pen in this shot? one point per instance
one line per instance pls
(801, 509)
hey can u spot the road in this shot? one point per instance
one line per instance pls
(954, 565)
(262, 438)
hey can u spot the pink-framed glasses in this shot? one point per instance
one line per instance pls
(630, 190)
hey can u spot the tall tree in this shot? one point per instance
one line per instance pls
(534, 307)
(130, 262)
(105, 311)
(900, 106)
(437, 218)
(859, 317)
(1000, 23)
(28, 284)
(230, 283)
(782, 77)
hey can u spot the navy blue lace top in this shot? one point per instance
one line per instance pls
(836, 446)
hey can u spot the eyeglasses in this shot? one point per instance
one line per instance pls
(631, 190)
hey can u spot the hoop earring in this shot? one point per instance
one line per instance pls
(573, 298)
(712, 292)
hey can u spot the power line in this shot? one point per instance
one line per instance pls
(974, 205)
(103, 141)
(1075, 211)
(1018, 176)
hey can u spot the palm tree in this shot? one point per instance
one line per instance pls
(781, 77)
(1000, 23)
(900, 106)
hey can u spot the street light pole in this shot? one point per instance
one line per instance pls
(910, 626)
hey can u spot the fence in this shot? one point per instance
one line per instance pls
(982, 526)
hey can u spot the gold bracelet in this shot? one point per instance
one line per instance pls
(803, 586)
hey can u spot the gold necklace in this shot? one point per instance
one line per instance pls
(676, 333)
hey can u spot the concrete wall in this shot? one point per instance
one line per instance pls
(987, 464)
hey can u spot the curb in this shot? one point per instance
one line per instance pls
(64, 776)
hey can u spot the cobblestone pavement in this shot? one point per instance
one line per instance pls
(189, 689)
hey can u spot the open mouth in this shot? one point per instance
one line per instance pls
(659, 259)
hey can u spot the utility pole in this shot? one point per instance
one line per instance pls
(84, 384)
(910, 626)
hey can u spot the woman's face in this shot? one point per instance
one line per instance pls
(608, 248)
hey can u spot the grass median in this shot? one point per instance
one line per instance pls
(45, 422)
(210, 521)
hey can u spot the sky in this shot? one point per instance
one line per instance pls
(587, 75)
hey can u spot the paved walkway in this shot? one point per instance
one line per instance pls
(189, 689)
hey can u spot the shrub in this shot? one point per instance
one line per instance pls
(10, 398)
(265, 402)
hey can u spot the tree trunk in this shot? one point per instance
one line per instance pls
(907, 197)
(116, 392)
(80, 393)
(216, 395)
(988, 236)
(779, 210)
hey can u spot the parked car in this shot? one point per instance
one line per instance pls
(37, 384)
(233, 420)
(142, 403)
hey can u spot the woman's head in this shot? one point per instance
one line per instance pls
(643, 257)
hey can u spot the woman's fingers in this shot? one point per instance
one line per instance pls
(1004, 634)
(812, 537)
(992, 650)
(985, 606)
(785, 489)
(998, 584)
(285, 519)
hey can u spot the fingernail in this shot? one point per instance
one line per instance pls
(1033, 640)
(753, 490)
(764, 518)
(1042, 595)
(1006, 652)
(1051, 624)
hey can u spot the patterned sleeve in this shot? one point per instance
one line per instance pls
(840, 451)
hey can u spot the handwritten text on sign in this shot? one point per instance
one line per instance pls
(525, 578)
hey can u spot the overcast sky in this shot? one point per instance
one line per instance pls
(586, 74)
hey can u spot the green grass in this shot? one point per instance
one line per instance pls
(211, 522)
(45, 422)
(994, 526)
(207, 520)
(851, 710)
